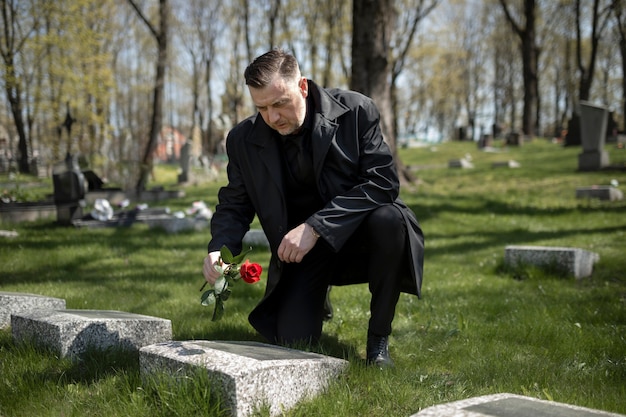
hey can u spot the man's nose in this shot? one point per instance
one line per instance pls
(273, 115)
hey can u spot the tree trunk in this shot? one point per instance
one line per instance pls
(157, 105)
(14, 97)
(371, 69)
(530, 57)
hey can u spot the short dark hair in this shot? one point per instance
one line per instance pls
(260, 72)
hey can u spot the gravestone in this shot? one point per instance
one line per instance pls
(460, 163)
(185, 157)
(510, 405)
(508, 164)
(572, 261)
(16, 302)
(70, 188)
(601, 192)
(70, 333)
(246, 375)
(255, 238)
(593, 122)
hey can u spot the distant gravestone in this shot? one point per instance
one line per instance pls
(510, 405)
(507, 164)
(593, 123)
(600, 192)
(70, 333)
(185, 156)
(15, 302)
(572, 261)
(460, 163)
(246, 376)
(256, 238)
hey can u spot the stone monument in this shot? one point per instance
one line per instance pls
(70, 333)
(509, 405)
(593, 123)
(246, 376)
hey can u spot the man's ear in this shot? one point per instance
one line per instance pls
(304, 87)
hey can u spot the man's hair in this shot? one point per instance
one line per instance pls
(261, 71)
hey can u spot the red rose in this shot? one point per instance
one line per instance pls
(250, 272)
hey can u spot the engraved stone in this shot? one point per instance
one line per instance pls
(72, 332)
(16, 302)
(246, 375)
(509, 405)
(573, 261)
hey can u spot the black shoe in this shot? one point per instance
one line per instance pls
(328, 307)
(378, 352)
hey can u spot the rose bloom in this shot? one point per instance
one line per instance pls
(250, 272)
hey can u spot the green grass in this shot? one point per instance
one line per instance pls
(479, 329)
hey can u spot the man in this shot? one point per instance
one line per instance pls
(313, 166)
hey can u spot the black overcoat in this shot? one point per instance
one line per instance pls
(354, 170)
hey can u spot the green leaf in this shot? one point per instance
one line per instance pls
(227, 255)
(239, 258)
(225, 294)
(220, 285)
(218, 313)
(207, 298)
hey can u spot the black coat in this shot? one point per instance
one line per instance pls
(354, 171)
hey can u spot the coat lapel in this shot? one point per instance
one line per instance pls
(327, 110)
(262, 138)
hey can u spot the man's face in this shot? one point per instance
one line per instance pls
(282, 103)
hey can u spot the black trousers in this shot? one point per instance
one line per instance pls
(377, 249)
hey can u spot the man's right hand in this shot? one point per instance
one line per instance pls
(210, 273)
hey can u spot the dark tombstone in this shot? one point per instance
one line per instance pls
(184, 163)
(573, 131)
(593, 126)
(69, 190)
(94, 182)
(514, 139)
(462, 133)
(611, 129)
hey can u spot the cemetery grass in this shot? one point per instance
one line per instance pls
(479, 329)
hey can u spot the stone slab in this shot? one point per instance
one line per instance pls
(510, 405)
(593, 161)
(601, 192)
(172, 224)
(255, 238)
(70, 333)
(246, 375)
(460, 163)
(507, 164)
(573, 261)
(16, 302)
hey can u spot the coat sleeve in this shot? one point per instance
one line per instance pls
(234, 212)
(358, 175)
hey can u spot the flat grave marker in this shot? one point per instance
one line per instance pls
(15, 302)
(510, 405)
(573, 261)
(72, 332)
(246, 375)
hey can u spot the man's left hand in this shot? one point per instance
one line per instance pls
(296, 243)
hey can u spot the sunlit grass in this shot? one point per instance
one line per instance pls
(479, 329)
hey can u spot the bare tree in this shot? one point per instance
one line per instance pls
(526, 30)
(160, 35)
(618, 11)
(403, 36)
(599, 19)
(12, 40)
